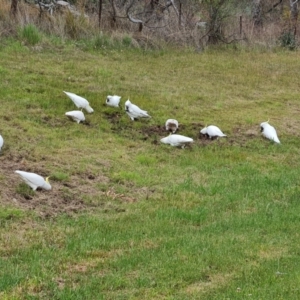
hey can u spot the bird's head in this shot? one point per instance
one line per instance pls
(47, 185)
(263, 125)
(165, 140)
(204, 130)
(108, 98)
(127, 104)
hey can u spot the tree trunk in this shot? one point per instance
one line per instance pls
(293, 16)
(14, 7)
(215, 34)
(100, 13)
(294, 9)
(257, 14)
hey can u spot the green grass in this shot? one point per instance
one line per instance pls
(129, 218)
(30, 34)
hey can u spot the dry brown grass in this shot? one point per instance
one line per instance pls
(85, 24)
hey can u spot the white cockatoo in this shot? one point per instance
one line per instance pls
(134, 112)
(76, 115)
(1, 142)
(34, 180)
(171, 125)
(113, 100)
(177, 140)
(212, 131)
(269, 132)
(80, 102)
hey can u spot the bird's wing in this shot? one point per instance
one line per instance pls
(78, 100)
(88, 108)
(214, 131)
(76, 115)
(270, 133)
(32, 179)
(115, 100)
(139, 112)
(177, 140)
(219, 132)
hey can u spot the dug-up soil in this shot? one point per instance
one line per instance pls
(69, 198)
(64, 197)
(240, 136)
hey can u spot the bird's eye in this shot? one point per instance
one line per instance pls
(107, 100)
(261, 129)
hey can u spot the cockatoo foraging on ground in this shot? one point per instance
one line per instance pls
(134, 112)
(34, 180)
(80, 102)
(212, 131)
(269, 132)
(76, 115)
(172, 125)
(1, 142)
(177, 140)
(113, 100)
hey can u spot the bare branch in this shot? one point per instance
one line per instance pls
(276, 4)
(293, 3)
(175, 8)
(140, 22)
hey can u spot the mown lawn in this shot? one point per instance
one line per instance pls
(129, 217)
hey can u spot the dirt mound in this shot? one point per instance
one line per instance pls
(240, 136)
(63, 198)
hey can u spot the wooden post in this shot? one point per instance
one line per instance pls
(14, 7)
(179, 19)
(99, 13)
(241, 25)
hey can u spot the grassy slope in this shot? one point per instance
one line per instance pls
(215, 221)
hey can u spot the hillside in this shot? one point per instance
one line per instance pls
(129, 217)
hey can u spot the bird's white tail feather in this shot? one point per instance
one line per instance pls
(89, 109)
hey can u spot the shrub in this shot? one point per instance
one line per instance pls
(288, 40)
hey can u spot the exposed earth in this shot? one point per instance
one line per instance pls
(68, 197)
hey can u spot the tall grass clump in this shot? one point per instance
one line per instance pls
(288, 40)
(116, 41)
(30, 34)
(77, 26)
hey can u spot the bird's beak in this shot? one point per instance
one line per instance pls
(261, 129)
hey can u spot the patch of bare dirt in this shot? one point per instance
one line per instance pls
(64, 197)
(113, 117)
(240, 136)
(79, 193)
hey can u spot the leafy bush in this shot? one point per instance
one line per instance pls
(288, 40)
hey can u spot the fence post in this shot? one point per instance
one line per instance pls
(241, 26)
